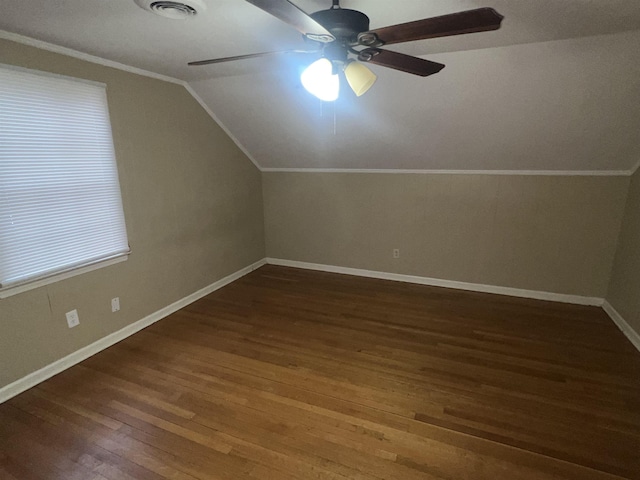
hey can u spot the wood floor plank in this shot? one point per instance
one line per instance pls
(291, 374)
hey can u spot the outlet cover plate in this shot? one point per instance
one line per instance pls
(115, 304)
(72, 318)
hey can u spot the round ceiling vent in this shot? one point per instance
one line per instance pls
(178, 10)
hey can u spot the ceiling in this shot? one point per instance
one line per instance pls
(557, 88)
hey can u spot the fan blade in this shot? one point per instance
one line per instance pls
(251, 55)
(470, 21)
(400, 61)
(294, 16)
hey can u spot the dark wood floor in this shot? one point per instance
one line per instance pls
(290, 374)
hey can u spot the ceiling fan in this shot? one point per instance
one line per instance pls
(343, 39)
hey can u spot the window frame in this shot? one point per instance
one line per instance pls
(84, 267)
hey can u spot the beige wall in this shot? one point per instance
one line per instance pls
(624, 289)
(550, 233)
(193, 207)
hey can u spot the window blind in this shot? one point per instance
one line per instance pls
(60, 204)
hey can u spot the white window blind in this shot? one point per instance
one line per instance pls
(60, 204)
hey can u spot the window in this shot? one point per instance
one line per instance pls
(60, 205)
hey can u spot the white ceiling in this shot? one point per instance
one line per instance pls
(506, 101)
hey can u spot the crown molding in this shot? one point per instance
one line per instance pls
(548, 173)
(69, 52)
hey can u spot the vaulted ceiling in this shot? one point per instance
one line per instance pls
(557, 88)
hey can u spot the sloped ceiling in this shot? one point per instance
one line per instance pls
(557, 88)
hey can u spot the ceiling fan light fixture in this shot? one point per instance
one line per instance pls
(359, 77)
(336, 31)
(319, 80)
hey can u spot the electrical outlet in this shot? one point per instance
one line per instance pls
(72, 318)
(396, 253)
(115, 304)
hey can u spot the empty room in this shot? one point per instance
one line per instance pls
(319, 240)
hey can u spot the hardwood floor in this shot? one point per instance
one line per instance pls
(290, 374)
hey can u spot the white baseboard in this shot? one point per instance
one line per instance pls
(436, 282)
(630, 333)
(58, 366)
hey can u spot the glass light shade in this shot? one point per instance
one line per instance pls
(360, 78)
(318, 79)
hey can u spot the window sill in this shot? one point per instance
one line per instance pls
(14, 290)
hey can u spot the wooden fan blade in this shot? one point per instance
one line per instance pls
(294, 16)
(470, 21)
(251, 55)
(400, 61)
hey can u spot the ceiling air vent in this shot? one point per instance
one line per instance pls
(178, 10)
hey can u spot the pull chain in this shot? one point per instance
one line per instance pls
(335, 116)
(335, 121)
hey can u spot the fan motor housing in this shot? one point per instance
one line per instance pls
(344, 24)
